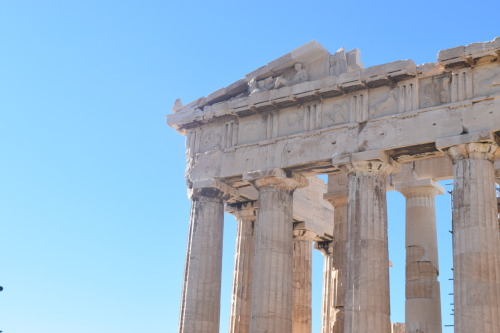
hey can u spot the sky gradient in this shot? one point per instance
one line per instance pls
(93, 207)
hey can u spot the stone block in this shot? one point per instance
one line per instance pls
(455, 54)
(354, 60)
(477, 50)
(447, 142)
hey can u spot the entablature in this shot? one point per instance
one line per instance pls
(453, 78)
(339, 108)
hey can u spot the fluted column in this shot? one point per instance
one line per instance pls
(366, 300)
(476, 239)
(327, 308)
(271, 309)
(200, 303)
(423, 301)
(302, 282)
(246, 214)
(335, 261)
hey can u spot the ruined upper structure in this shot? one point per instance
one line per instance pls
(256, 145)
(338, 101)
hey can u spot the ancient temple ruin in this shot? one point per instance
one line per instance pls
(254, 149)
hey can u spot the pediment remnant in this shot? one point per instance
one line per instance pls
(310, 62)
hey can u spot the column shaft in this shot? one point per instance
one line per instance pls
(271, 309)
(339, 262)
(243, 263)
(272, 273)
(423, 301)
(200, 304)
(367, 281)
(476, 240)
(327, 308)
(335, 267)
(302, 285)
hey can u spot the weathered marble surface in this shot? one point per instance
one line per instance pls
(246, 215)
(335, 257)
(342, 109)
(309, 113)
(423, 299)
(476, 237)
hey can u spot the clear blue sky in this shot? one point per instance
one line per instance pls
(93, 207)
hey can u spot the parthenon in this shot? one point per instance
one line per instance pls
(255, 148)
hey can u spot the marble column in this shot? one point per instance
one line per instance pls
(423, 301)
(476, 239)
(200, 303)
(271, 308)
(366, 302)
(335, 261)
(246, 214)
(327, 308)
(302, 282)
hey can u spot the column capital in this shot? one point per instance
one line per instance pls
(211, 190)
(473, 150)
(370, 166)
(478, 145)
(276, 178)
(244, 211)
(374, 161)
(419, 187)
(326, 248)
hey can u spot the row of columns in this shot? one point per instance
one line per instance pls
(272, 276)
